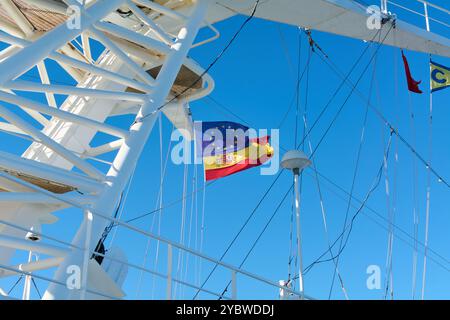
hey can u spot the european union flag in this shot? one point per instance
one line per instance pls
(218, 137)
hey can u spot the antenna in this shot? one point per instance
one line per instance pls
(296, 161)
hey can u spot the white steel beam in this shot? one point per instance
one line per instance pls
(27, 245)
(34, 197)
(11, 29)
(34, 114)
(22, 85)
(133, 49)
(162, 35)
(86, 46)
(161, 9)
(101, 72)
(72, 62)
(53, 6)
(108, 43)
(32, 266)
(31, 55)
(18, 17)
(43, 74)
(12, 187)
(125, 33)
(47, 172)
(7, 52)
(50, 143)
(8, 127)
(105, 148)
(61, 114)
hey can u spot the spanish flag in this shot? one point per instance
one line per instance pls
(440, 76)
(227, 148)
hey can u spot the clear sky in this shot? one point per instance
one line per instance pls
(256, 83)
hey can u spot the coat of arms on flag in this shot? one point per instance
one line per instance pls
(228, 147)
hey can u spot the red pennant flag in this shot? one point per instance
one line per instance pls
(413, 85)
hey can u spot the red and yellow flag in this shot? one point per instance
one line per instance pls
(258, 152)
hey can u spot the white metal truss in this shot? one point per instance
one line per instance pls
(140, 69)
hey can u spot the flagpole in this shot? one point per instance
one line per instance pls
(296, 161)
(299, 240)
(428, 203)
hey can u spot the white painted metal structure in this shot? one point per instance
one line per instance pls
(143, 71)
(297, 161)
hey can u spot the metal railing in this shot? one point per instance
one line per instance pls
(425, 14)
(95, 214)
(168, 276)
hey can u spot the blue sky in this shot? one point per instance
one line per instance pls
(256, 80)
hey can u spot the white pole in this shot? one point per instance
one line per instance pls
(27, 284)
(428, 201)
(299, 247)
(169, 272)
(427, 17)
(384, 6)
(233, 285)
(88, 217)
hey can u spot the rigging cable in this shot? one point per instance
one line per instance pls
(351, 92)
(220, 105)
(260, 235)
(15, 284)
(36, 287)
(312, 47)
(338, 89)
(334, 119)
(427, 214)
(293, 99)
(297, 111)
(389, 279)
(197, 231)
(189, 236)
(355, 173)
(161, 193)
(212, 64)
(291, 244)
(416, 213)
(325, 134)
(390, 235)
(380, 115)
(381, 217)
(319, 189)
(143, 215)
(242, 228)
(285, 48)
(239, 232)
(412, 149)
(158, 207)
(350, 225)
(202, 226)
(180, 258)
(279, 174)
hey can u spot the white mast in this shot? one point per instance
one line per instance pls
(297, 161)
